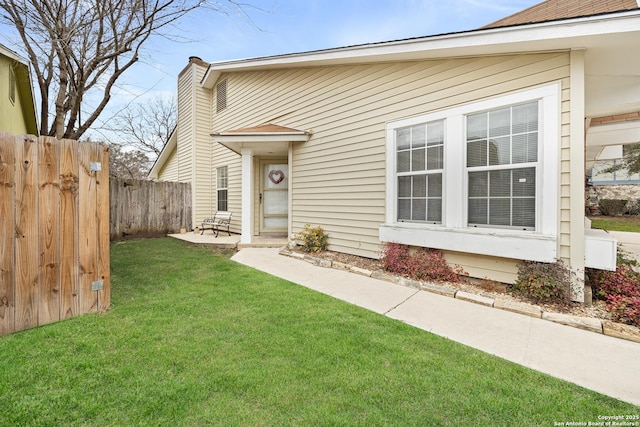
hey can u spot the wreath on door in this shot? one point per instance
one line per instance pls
(276, 176)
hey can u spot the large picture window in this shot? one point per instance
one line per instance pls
(420, 160)
(222, 189)
(479, 177)
(502, 155)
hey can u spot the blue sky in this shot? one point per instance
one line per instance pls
(286, 26)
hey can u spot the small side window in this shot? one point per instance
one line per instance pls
(222, 188)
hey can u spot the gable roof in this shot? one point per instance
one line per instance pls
(552, 10)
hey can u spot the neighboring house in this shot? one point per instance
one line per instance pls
(607, 142)
(618, 132)
(17, 103)
(471, 142)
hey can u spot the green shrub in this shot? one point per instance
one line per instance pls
(633, 208)
(420, 264)
(612, 207)
(544, 282)
(313, 239)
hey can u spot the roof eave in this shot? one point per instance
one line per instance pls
(30, 109)
(226, 137)
(545, 36)
(164, 155)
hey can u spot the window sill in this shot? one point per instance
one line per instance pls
(514, 244)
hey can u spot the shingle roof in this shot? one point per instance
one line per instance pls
(551, 10)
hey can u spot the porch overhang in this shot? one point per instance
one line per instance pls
(261, 140)
(265, 141)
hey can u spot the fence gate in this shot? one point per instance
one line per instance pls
(54, 230)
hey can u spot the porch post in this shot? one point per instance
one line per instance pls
(577, 145)
(247, 195)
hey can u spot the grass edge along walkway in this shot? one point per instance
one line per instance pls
(196, 339)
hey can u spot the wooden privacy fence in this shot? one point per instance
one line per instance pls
(148, 209)
(54, 230)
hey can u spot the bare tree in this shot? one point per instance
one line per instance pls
(80, 48)
(127, 163)
(146, 126)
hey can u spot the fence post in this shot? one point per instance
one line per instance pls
(88, 230)
(104, 254)
(7, 233)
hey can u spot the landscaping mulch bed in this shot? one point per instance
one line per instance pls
(480, 287)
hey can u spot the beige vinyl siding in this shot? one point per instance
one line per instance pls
(222, 156)
(170, 170)
(197, 155)
(204, 177)
(339, 175)
(485, 267)
(185, 120)
(564, 242)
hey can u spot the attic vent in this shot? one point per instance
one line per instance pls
(221, 96)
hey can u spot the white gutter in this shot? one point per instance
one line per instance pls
(162, 158)
(544, 36)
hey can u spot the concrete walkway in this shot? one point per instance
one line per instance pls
(598, 362)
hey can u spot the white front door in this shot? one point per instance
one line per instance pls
(274, 197)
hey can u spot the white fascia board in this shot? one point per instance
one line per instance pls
(253, 137)
(12, 55)
(164, 155)
(546, 36)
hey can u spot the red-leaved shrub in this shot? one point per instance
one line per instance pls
(620, 289)
(419, 264)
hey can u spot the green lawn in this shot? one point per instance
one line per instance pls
(616, 223)
(194, 339)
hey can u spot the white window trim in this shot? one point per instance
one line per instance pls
(454, 234)
(219, 171)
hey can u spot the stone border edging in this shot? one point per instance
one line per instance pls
(601, 326)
